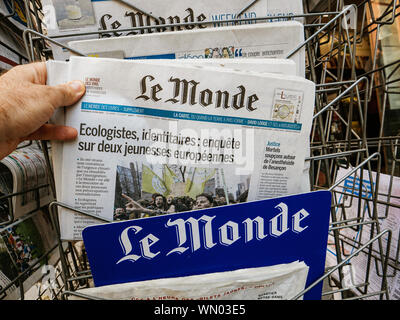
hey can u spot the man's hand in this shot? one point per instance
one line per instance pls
(27, 103)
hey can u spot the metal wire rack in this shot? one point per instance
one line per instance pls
(354, 144)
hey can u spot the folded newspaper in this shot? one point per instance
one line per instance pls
(24, 173)
(58, 74)
(67, 18)
(271, 40)
(280, 282)
(179, 131)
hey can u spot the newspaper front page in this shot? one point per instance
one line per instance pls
(272, 40)
(58, 74)
(181, 131)
(69, 17)
(280, 282)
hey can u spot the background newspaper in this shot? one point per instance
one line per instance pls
(19, 17)
(24, 169)
(280, 282)
(12, 52)
(272, 40)
(355, 271)
(63, 17)
(100, 193)
(22, 245)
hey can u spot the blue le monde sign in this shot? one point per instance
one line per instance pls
(254, 234)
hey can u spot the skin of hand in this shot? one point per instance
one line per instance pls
(27, 103)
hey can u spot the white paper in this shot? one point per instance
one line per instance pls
(272, 40)
(115, 16)
(280, 282)
(265, 171)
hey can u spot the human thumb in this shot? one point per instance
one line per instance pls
(66, 94)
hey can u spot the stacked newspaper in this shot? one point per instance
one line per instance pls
(279, 282)
(273, 40)
(23, 173)
(178, 130)
(69, 20)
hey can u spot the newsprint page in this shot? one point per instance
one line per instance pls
(180, 131)
(268, 40)
(68, 19)
(279, 282)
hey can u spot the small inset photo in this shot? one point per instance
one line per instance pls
(287, 105)
(72, 14)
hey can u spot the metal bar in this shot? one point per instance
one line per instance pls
(341, 264)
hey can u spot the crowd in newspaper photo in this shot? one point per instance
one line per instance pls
(141, 192)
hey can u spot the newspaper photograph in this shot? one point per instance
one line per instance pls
(76, 16)
(271, 40)
(25, 169)
(72, 14)
(280, 282)
(180, 131)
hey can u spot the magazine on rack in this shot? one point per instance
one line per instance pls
(69, 17)
(272, 40)
(24, 169)
(12, 52)
(17, 10)
(279, 282)
(22, 245)
(180, 131)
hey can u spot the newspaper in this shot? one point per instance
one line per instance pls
(181, 131)
(25, 169)
(388, 217)
(12, 52)
(8, 7)
(57, 73)
(280, 282)
(281, 66)
(272, 40)
(7, 271)
(22, 245)
(67, 18)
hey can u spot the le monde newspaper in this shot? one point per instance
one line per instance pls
(180, 131)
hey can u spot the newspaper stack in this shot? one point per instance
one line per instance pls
(24, 173)
(180, 131)
(273, 40)
(279, 282)
(67, 19)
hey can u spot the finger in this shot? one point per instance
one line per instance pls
(33, 72)
(127, 198)
(53, 132)
(64, 94)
